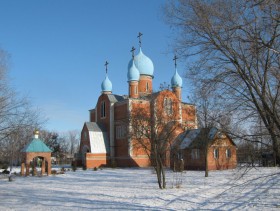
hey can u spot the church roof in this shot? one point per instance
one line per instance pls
(98, 137)
(115, 98)
(193, 137)
(36, 145)
(95, 127)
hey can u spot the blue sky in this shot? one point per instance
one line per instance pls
(58, 49)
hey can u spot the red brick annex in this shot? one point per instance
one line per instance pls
(192, 147)
(104, 138)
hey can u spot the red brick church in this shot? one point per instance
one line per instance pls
(105, 139)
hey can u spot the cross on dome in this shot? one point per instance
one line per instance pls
(132, 51)
(106, 85)
(176, 80)
(175, 60)
(139, 37)
(106, 65)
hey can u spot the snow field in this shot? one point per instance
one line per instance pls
(137, 189)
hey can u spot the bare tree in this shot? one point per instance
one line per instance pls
(234, 46)
(17, 118)
(152, 130)
(73, 140)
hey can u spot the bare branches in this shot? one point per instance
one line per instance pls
(234, 46)
(153, 126)
(17, 117)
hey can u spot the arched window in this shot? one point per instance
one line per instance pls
(228, 153)
(216, 153)
(167, 105)
(103, 109)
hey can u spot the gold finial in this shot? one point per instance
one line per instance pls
(36, 133)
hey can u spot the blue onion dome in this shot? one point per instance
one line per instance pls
(133, 73)
(144, 64)
(106, 85)
(176, 80)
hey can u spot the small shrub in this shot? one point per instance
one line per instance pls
(6, 171)
(54, 172)
(74, 166)
(62, 169)
(95, 169)
(84, 168)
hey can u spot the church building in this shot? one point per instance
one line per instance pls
(105, 139)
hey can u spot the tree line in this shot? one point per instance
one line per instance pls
(19, 119)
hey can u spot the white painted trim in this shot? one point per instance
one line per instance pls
(130, 147)
(180, 112)
(112, 129)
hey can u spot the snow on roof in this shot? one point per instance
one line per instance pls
(190, 135)
(98, 142)
(212, 133)
(115, 98)
(93, 126)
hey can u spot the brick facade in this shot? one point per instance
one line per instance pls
(113, 113)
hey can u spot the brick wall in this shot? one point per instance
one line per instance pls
(97, 160)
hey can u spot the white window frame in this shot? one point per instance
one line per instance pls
(228, 153)
(167, 104)
(216, 153)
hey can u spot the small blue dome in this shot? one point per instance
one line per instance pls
(133, 73)
(106, 85)
(144, 64)
(176, 80)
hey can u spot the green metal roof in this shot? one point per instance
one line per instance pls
(36, 145)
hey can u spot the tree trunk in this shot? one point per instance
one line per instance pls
(206, 162)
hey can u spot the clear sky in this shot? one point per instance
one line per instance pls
(58, 49)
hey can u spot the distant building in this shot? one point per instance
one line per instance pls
(105, 140)
(191, 146)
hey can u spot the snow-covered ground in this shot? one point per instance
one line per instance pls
(136, 189)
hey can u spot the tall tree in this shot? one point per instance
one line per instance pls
(152, 130)
(234, 46)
